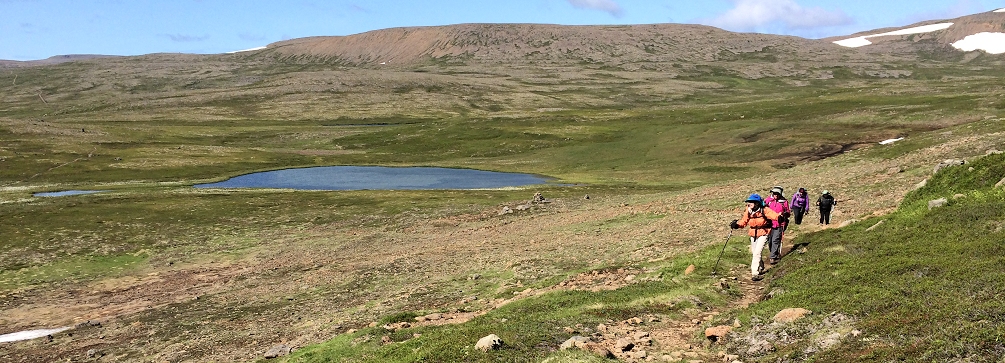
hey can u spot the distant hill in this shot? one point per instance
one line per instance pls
(51, 60)
(955, 30)
(501, 43)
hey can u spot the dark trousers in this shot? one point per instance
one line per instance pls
(775, 243)
(799, 212)
(825, 215)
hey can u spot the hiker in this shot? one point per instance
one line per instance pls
(826, 202)
(776, 202)
(758, 219)
(800, 202)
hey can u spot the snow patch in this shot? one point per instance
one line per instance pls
(862, 41)
(890, 141)
(993, 43)
(1002, 10)
(29, 334)
(246, 50)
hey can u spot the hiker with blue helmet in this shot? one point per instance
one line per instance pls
(759, 219)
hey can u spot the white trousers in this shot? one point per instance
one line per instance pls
(756, 246)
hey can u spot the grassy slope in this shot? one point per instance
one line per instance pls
(635, 141)
(923, 286)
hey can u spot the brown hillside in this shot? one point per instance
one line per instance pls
(498, 43)
(962, 27)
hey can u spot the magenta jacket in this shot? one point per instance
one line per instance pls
(780, 206)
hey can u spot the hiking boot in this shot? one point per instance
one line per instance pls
(773, 261)
(757, 278)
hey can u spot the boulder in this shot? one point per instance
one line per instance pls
(992, 152)
(947, 163)
(921, 184)
(932, 204)
(280, 350)
(791, 314)
(689, 270)
(1000, 183)
(599, 350)
(505, 210)
(894, 170)
(575, 342)
(717, 334)
(624, 344)
(489, 342)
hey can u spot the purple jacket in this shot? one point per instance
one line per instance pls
(800, 201)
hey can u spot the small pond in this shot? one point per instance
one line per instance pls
(67, 193)
(377, 178)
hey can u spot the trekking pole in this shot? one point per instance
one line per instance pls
(723, 250)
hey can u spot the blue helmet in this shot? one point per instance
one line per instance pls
(755, 198)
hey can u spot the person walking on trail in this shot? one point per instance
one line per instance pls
(800, 203)
(759, 220)
(826, 203)
(776, 202)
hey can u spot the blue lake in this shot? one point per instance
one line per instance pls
(377, 178)
(67, 193)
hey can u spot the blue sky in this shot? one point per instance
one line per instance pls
(36, 29)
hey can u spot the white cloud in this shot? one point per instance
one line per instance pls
(609, 6)
(751, 15)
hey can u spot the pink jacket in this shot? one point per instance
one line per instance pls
(780, 206)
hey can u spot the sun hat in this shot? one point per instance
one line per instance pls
(756, 198)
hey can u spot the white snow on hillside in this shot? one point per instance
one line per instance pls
(246, 50)
(29, 334)
(993, 43)
(1002, 10)
(862, 41)
(890, 141)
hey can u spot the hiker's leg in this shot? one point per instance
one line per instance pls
(756, 246)
(799, 214)
(826, 215)
(775, 244)
(822, 213)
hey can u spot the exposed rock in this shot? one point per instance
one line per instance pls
(599, 350)
(575, 342)
(921, 184)
(992, 152)
(506, 210)
(385, 340)
(958, 196)
(523, 207)
(874, 226)
(791, 314)
(847, 223)
(87, 324)
(1000, 183)
(624, 344)
(489, 342)
(689, 270)
(932, 204)
(280, 350)
(947, 163)
(717, 334)
(94, 353)
(894, 170)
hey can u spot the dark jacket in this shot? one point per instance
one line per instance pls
(826, 201)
